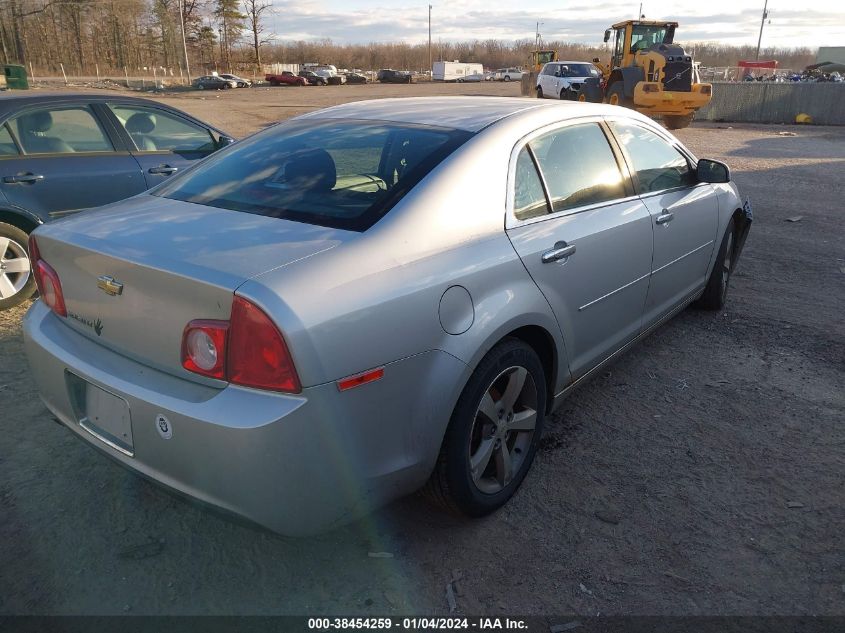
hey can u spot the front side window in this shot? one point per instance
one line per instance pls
(7, 145)
(155, 130)
(60, 130)
(619, 47)
(656, 163)
(578, 166)
(337, 173)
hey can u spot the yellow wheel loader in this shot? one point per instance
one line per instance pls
(538, 60)
(649, 73)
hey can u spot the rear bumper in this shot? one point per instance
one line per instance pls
(669, 102)
(295, 464)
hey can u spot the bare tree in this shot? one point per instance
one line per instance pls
(253, 10)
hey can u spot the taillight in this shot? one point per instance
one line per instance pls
(258, 356)
(247, 350)
(47, 280)
(204, 348)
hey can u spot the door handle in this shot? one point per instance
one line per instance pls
(664, 217)
(562, 250)
(163, 169)
(23, 178)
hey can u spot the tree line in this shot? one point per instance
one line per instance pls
(233, 35)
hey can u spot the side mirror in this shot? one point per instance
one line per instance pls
(712, 171)
(223, 141)
(607, 35)
(557, 73)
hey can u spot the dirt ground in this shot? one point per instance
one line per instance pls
(702, 473)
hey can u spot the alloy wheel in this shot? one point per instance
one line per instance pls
(15, 268)
(503, 430)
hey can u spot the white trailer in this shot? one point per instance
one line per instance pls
(455, 71)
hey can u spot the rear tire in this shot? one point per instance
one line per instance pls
(507, 78)
(716, 291)
(17, 283)
(493, 434)
(677, 121)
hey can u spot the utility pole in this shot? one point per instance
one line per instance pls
(537, 36)
(184, 43)
(430, 65)
(762, 22)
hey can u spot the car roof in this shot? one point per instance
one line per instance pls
(14, 101)
(471, 114)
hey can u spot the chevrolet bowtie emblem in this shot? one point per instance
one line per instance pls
(109, 285)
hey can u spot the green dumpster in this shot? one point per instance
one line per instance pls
(15, 77)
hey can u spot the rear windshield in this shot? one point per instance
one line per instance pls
(337, 173)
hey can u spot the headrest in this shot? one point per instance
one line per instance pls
(40, 121)
(311, 169)
(140, 123)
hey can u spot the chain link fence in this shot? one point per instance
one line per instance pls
(753, 102)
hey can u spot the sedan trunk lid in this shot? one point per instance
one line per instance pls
(134, 274)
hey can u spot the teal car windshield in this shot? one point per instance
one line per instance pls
(336, 173)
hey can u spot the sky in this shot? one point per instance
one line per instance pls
(813, 23)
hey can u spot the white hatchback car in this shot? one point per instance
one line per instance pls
(563, 80)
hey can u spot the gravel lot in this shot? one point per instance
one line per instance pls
(703, 473)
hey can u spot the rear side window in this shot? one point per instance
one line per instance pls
(658, 165)
(7, 145)
(154, 130)
(62, 130)
(578, 166)
(529, 197)
(338, 173)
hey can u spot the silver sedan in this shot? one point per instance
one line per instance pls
(373, 298)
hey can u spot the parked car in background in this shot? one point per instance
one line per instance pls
(563, 80)
(240, 82)
(285, 78)
(61, 153)
(508, 74)
(473, 77)
(356, 78)
(390, 76)
(337, 80)
(312, 78)
(214, 82)
(299, 329)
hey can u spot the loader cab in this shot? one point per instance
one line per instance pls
(633, 36)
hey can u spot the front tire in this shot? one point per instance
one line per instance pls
(716, 291)
(493, 434)
(616, 95)
(17, 282)
(507, 78)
